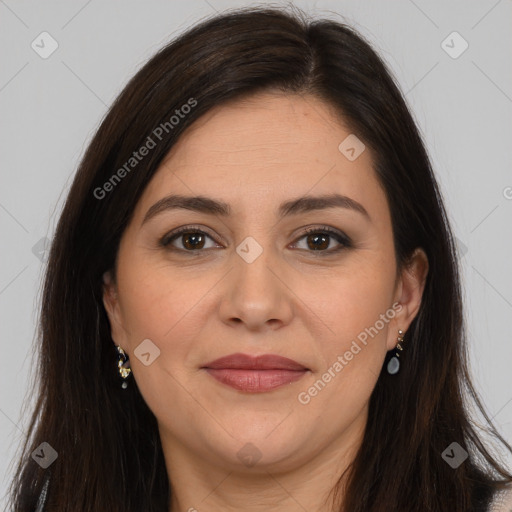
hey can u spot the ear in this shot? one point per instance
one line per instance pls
(111, 303)
(409, 292)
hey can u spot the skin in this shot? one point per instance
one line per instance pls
(291, 301)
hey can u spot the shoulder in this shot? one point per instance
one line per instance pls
(502, 500)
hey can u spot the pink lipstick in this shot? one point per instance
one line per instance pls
(255, 374)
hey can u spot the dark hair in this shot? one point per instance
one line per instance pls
(109, 451)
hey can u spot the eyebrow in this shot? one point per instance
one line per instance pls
(211, 206)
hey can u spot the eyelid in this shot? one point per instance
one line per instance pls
(166, 239)
(343, 240)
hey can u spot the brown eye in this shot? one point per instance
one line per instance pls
(193, 240)
(189, 240)
(320, 239)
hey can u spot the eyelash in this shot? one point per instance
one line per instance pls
(338, 236)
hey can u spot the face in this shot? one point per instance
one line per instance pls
(314, 282)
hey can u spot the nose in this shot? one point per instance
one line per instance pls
(256, 294)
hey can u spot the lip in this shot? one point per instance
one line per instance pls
(255, 374)
(240, 361)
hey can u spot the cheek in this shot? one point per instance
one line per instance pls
(160, 307)
(166, 305)
(352, 354)
(358, 310)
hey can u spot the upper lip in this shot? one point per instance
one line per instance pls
(248, 362)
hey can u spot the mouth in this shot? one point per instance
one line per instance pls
(255, 374)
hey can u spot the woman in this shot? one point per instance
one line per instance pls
(252, 298)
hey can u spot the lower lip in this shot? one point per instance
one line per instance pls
(255, 381)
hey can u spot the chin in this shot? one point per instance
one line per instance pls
(258, 447)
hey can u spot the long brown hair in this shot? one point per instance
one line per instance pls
(109, 451)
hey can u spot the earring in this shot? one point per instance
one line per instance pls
(394, 363)
(124, 371)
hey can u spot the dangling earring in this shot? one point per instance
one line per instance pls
(124, 371)
(394, 363)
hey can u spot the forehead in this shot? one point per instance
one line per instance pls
(265, 126)
(265, 149)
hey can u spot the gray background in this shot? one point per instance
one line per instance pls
(50, 107)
